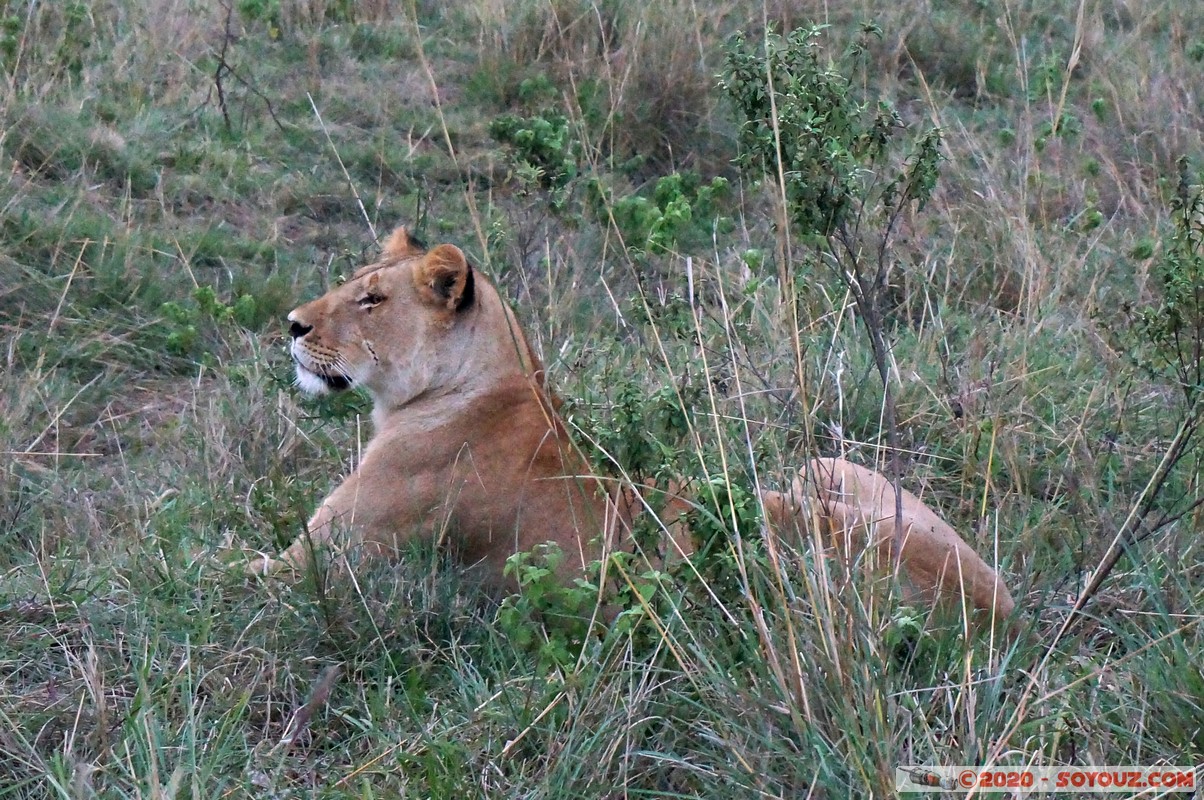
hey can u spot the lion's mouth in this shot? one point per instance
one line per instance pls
(320, 381)
(338, 383)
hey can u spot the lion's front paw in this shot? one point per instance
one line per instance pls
(263, 567)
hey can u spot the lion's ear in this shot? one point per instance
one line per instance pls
(401, 244)
(445, 279)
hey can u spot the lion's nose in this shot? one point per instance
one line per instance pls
(299, 329)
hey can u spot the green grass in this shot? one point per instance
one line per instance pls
(151, 437)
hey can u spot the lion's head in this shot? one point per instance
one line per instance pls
(412, 324)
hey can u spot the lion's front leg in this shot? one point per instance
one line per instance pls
(372, 514)
(299, 556)
(337, 512)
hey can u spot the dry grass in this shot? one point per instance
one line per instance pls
(145, 446)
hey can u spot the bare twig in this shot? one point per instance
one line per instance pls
(224, 68)
(342, 166)
(867, 292)
(317, 698)
(1131, 531)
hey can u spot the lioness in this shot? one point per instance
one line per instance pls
(468, 446)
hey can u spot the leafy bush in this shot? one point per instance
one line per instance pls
(1173, 326)
(544, 152)
(53, 37)
(1169, 344)
(194, 329)
(836, 156)
(803, 122)
(681, 211)
(546, 617)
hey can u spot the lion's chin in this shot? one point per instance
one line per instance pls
(311, 382)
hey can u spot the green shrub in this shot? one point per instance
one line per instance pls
(808, 124)
(195, 329)
(546, 617)
(544, 153)
(1173, 326)
(846, 178)
(53, 38)
(681, 212)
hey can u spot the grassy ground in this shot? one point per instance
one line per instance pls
(177, 175)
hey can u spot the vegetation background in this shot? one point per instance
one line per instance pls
(177, 174)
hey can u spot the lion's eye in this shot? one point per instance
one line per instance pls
(371, 300)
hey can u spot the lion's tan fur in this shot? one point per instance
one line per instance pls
(855, 510)
(468, 446)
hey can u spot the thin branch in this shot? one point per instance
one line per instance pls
(1126, 535)
(224, 68)
(267, 102)
(342, 166)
